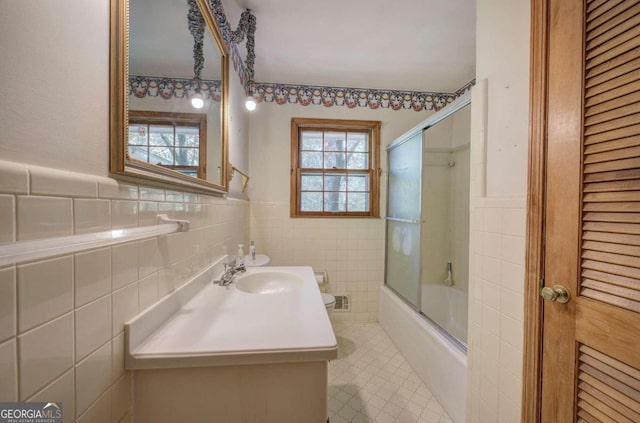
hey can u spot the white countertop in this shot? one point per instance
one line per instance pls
(260, 260)
(225, 326)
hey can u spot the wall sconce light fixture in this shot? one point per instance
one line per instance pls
(196, 99)
(250, 104)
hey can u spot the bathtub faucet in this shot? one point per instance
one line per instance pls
(229, 274)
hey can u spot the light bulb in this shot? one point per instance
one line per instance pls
(250, 104)
(197, 101)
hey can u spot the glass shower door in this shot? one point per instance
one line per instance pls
(402, 272)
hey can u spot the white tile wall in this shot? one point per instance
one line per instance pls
(8, 371)
(350, 250)
(120, 398)
(92, 275)
(43, 217)
(148, 256)
(62, 390)
(152, 194)
(61, 336)
(44, 354)
(91, 215)
(148, 213)
(100, 411)
(93, 377)
(496, 310)
(92, 326)
(45, 291)
(110, 188)
(124, 214)
(7, 303)
(148, 291)
(15, 178)
(125, 307)
(7, 224)
(124, 264)
(117, 357)
(496, 291)
(46, 181)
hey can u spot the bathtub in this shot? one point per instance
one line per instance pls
(441, 365)
(448, 307)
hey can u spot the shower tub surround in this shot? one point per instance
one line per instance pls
(208, 350)
(434, 358)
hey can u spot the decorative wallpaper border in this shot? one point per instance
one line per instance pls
(466, 87)
(305, 95)
(169, 88)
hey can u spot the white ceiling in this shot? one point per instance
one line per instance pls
(160, 43)
(422, 45)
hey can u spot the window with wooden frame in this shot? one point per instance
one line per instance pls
(172, 140)
(335, 168)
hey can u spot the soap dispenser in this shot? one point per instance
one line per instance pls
(240, 256)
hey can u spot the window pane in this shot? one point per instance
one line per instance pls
(335, 201)
(335, 141)
(187, 156)
(311, 182)
(189, 172)
(358, 161)
(335, 160)
(358, 201)
(311, 160)
(161, 135)
(161, 156)
(310, 201)
(335, 182)
(137, 134)
(333, 164)
(358, 142)
(358, 183)
(311, 141)
(139, 153)
(187, 136)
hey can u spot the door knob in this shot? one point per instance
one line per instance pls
(558, 293)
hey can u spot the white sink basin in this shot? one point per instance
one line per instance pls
(269, 282)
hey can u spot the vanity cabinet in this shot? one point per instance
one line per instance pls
(233, 354)
(265, 393)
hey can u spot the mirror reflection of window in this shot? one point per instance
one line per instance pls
(175, 141)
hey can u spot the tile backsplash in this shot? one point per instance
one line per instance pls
(350, 250)
(61, 319)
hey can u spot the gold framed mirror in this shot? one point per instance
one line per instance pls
(169, 94)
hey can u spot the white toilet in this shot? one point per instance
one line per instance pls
(329, 302)
(328, 299)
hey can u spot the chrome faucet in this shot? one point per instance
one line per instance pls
(229, 274)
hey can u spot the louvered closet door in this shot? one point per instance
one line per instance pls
(591, 358)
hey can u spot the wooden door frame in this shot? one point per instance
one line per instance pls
(534, 255)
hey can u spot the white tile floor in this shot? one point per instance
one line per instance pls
(372, 382)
